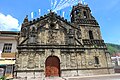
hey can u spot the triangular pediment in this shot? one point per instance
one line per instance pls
(51, 22)
(49, 18)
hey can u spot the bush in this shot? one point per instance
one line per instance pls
(3, 78)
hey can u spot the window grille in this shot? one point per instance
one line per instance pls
(7, 48)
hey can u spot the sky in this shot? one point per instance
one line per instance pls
(106, 12)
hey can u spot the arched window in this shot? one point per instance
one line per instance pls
(85, 14)
(96, 60)
(91, 35)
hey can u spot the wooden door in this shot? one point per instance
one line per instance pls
(52, 66)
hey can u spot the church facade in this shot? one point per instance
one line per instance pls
(52, 46)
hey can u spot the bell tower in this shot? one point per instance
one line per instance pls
(80, 11)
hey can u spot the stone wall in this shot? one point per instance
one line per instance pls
(71, 63)
(94, 29)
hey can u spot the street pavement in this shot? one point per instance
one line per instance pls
(97, 77)
(93, 77)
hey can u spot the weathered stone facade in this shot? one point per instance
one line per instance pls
(77, 44)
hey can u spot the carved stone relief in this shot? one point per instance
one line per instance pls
(37, 60)
(83, 62)
(68, 60)
(42, 61)
(19, 61)
(31, 63)
(52, 37)
(41, 37)
(90, 62)
(73, 59)
(78, 60)
(63, 60)
(78, 34)
(62, 37)
(89, 52)
(24, 60)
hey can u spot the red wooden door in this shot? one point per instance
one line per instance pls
(52, 66)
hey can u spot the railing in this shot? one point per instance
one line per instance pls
(8, 55)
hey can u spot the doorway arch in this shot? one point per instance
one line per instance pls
(52, 66)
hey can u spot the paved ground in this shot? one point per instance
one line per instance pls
(94, 77)
(98, 77)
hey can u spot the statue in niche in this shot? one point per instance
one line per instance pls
(31, 63)
(78, 33)
(52, 37)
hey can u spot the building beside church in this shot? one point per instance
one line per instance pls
(8, 41)
(116, 62)
(8, 48)
(52, 46)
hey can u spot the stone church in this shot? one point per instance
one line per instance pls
(52, 46)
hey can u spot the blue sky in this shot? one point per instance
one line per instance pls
(106, 12)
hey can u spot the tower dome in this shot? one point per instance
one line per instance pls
(80, 11)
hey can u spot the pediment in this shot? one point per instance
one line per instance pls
(50, 25)
(49, 18)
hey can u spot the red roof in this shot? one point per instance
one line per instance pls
(116, 54)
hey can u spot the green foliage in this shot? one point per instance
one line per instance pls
(113, 48)
(3, 78)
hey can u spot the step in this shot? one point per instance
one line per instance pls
(54, 78)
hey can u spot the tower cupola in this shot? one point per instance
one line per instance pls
(80, 11)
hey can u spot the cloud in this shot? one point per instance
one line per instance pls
(8, 23)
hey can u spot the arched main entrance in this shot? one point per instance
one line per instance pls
(52, 66)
